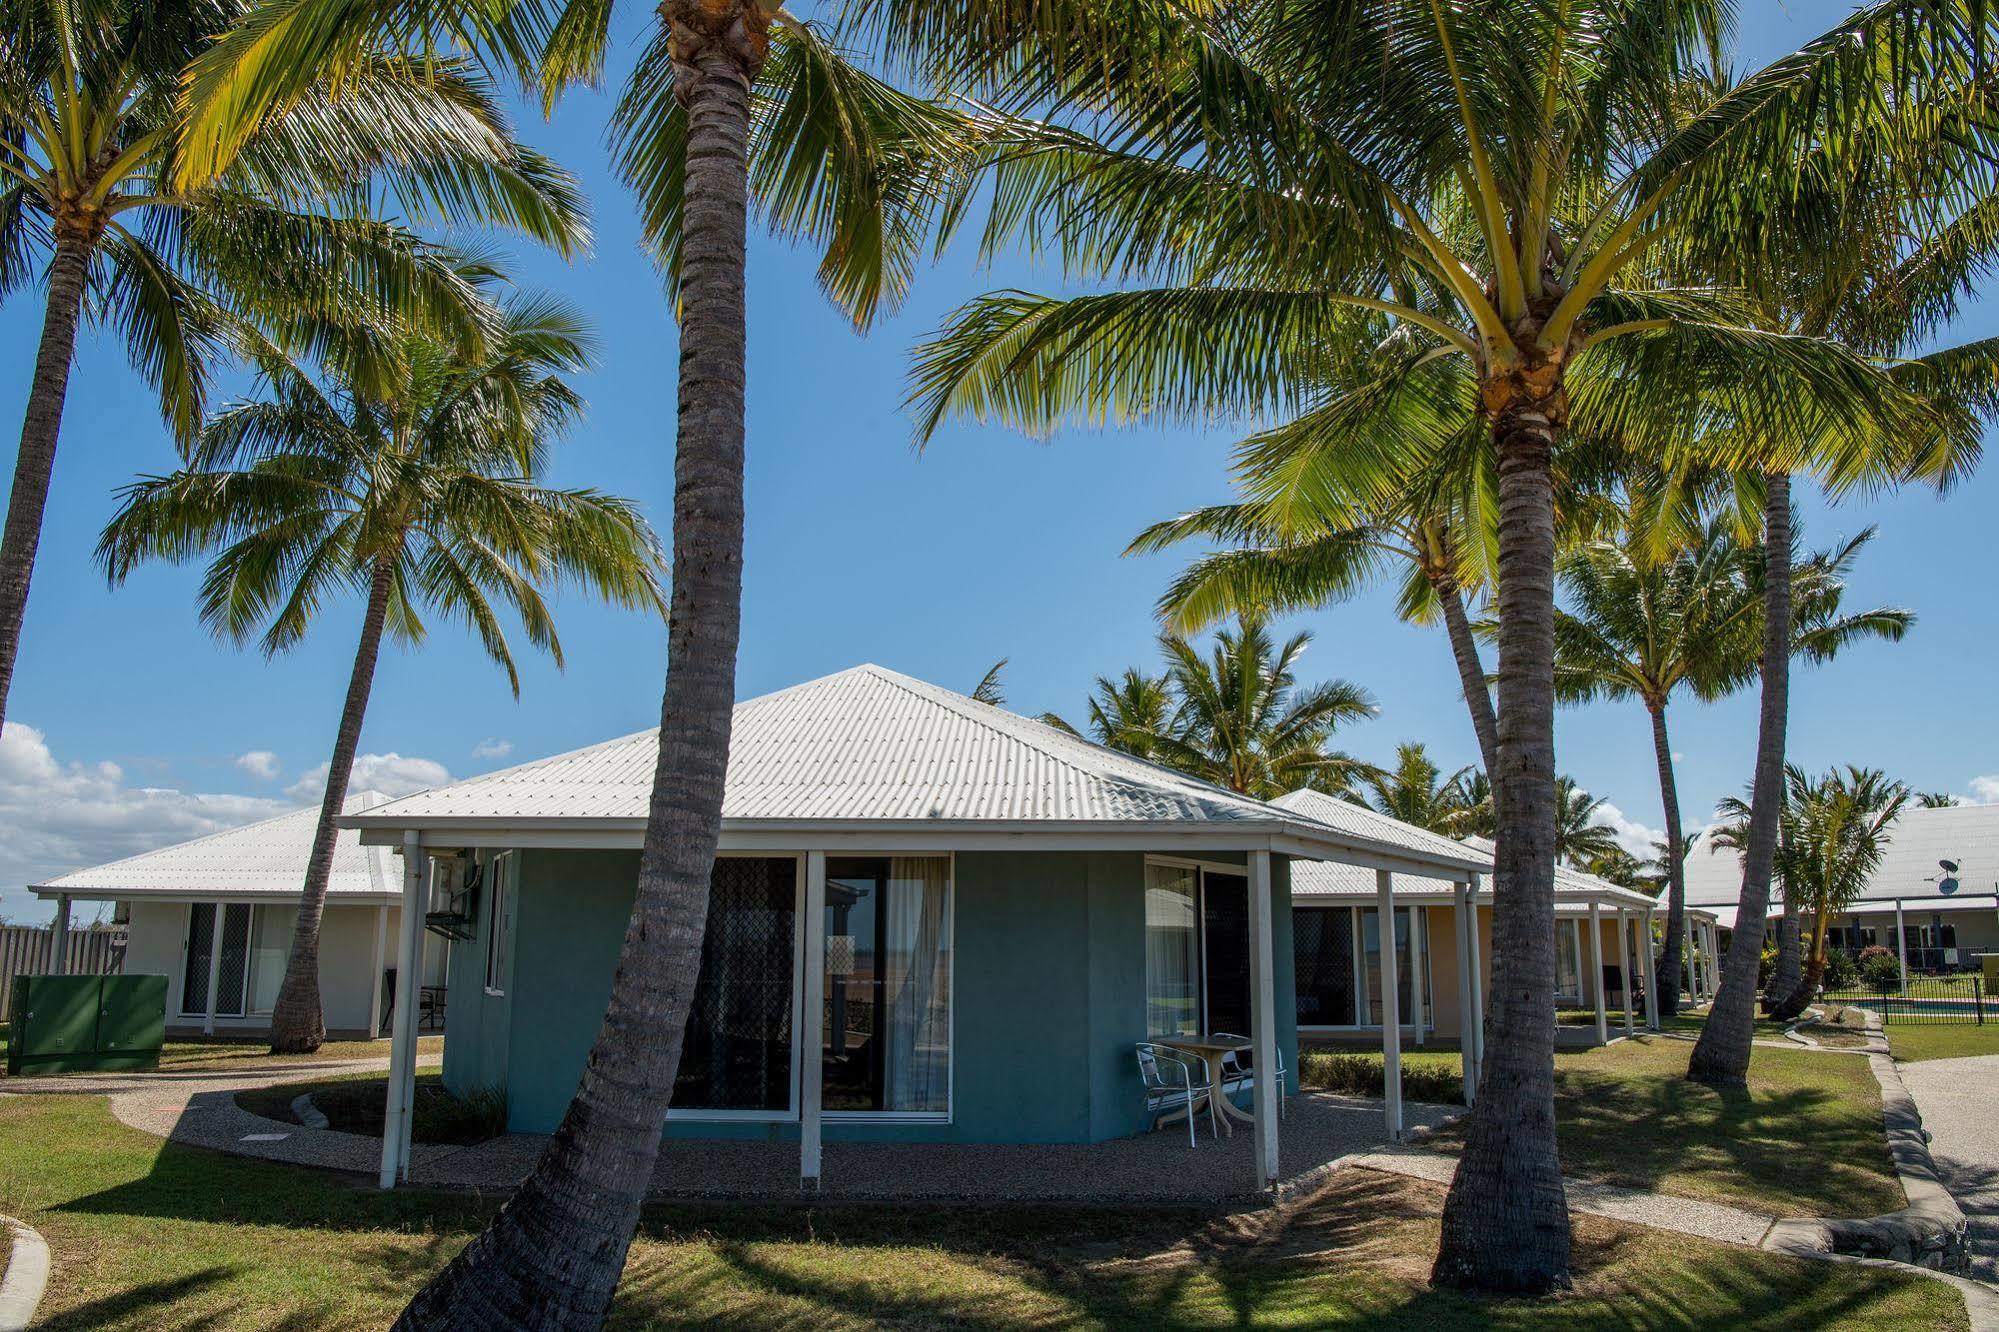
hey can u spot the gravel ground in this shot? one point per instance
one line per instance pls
(1957, 1099)
(1687, 1216)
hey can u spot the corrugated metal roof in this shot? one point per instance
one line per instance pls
(1332, 879)
(869, 744)
(1966, 834)
(259, 859)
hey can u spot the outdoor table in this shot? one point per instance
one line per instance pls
(1212, 1050)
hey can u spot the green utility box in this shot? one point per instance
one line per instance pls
(87, 1024)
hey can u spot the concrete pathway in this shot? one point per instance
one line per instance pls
(1686, 1216)
(1959, 1101)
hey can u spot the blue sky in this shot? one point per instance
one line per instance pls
(129, 727)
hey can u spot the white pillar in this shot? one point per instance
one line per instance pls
(1477, 986)
(1419, 967)
(1462, 918)
(375, 971)
(1651, 978)
(1627, 969)
(59, 938)
(1390, 1015)
(402, 1039)
(811, 1015)
(1263, 1017)
(214, 966)
(1596, 970)
(1901, 945)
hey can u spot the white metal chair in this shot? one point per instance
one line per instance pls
(1238, 1071)
(1173, 1082)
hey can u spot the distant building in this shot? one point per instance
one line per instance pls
(1939, 877)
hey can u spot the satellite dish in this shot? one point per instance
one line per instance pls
(1947, 886)
(1949, 866)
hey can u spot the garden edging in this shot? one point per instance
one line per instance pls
(27, 1275)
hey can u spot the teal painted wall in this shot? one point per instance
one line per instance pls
(475, 1056)
(1048, 996)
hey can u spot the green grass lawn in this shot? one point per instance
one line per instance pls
(224, 1053)
(1942, 1040)
(151, 1235)
(1804, 1140)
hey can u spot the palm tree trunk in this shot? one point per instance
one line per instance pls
(1471, 671)
(1670, 956)
(1721, 1055)
(552, 1257)
(1506, 1221)
(297, 1024)
(69, 274)
(1781, 998)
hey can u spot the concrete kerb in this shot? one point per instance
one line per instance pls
(27, 1276)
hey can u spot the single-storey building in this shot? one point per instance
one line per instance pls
(1599, 927)
(1934, 899)
(931, 920)
(215, 917)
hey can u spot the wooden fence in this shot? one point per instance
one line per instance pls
(28, 950)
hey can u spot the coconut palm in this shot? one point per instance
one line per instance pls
(1580, 835)
(1127, 713)
(1498, 184)
(91, 203)
(416, 485)
(730, 103)
(1243, 721)
(1935, 800)
(1644, 628)
(1416, 791)
(1833, 835)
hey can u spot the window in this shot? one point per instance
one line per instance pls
(1322, 952)
(500, 923)
(885, 1019)
(1568, 962)
(230, 971)
(1371, 947)
(270, 952)
(1172, 952)
(737, 1054)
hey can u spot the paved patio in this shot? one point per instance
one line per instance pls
(199, 1109)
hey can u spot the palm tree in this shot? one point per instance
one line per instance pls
(1499, 185)
(730, 101)
(1833, 835)
(92, 182)
(1935, 800)
(1416, 791)
(416, 484)
(1643, 628)
(1243, 721)
(1128, 713)
(1579, 837)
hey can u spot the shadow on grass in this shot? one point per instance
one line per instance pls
(134, 1300)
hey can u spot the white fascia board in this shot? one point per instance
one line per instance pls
(49, 894)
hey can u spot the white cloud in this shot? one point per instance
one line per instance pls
(490, 748)
(1633, 836)
(59, 816)
(259, 763)
(391, 774)
(1985, 790)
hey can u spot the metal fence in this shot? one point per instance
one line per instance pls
(1956, 999)
(27, 950)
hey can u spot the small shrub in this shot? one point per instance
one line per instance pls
(1766, 966)
(1353, 1074)
(1881, 973)
(1841, 971)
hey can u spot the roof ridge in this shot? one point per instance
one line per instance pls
(1038, 734)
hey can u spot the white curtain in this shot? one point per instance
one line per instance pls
(918, 974)
(1172, 953)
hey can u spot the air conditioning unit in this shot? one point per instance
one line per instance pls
(454, 895)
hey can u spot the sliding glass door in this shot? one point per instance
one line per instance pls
(885, 1012)
(231, 972)
(737, 1055)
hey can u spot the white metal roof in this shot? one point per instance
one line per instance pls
(1333, 879)
(1919, 839)
(868, 751)
(264, 860)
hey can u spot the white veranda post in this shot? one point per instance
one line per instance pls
(1477, 986)
(1263, 1018)
(59, 938)
(1596, 970)
(1651, 974)
(1902, 945)
(1419, 966)
(1461, 921)
(1627, 971)
(402, 1039)
(812, 1046)
(1390, 1014)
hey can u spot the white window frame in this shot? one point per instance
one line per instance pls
(500, 894)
